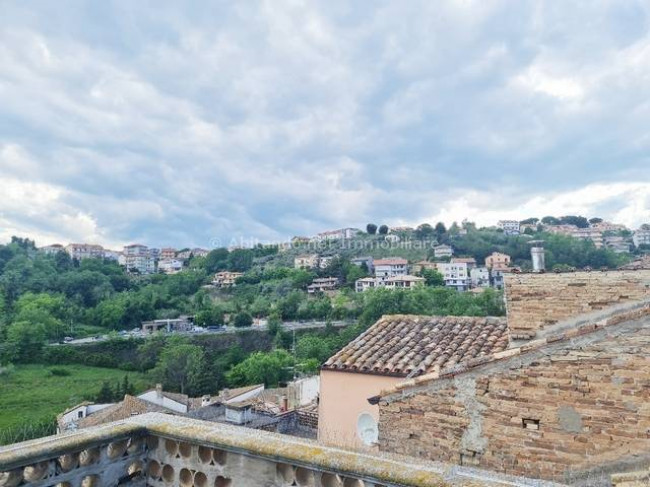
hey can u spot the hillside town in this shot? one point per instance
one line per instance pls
(460, 272)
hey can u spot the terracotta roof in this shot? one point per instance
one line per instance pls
(411, 345)
(125, 409)
(630, 312)
(395, 261)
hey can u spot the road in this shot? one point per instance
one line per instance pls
(287, 325)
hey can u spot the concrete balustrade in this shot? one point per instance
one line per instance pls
(164, 451)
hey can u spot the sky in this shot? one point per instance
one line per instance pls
(202, 123)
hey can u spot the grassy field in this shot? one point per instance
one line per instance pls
(32, 393)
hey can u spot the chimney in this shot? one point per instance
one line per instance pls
(537, 255)
(159, 391)
(284, 404)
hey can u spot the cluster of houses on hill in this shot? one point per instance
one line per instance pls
(136, 258)
(614, 236)
(460, 273)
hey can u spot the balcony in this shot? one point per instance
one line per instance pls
(160, 450)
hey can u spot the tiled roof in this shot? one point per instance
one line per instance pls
(629, 312)
(395, 261)
(124, 409)
(403, 345)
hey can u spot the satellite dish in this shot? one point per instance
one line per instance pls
(367, 429)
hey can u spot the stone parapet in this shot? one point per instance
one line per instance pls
(160, 450)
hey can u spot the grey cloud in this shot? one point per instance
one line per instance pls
(188, 122)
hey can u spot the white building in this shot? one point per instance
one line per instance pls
(306, 261)
(403, 282)
(137, 258)
(395, 282)
(323, 284)
(168, 400)
(441, 251)
(385, 268)
(360, 261)
(641, 237)
(52, 249)
(170, 266)
(509, 227)
(470, 261)
(456, 275)
(365, 283)
(112, 255)
(85, 251)
(167, 253)
(341, 234)
(479, 277)
(226, 279)
(617, 244)
(596, 236)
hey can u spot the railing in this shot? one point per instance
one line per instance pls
(160, 450)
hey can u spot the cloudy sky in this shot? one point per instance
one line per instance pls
(193, 123)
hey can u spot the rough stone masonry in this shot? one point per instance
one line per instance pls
(536, 301)
(574, 409)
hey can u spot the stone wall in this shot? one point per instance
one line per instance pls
(158, 450)
(535, 301)
(573, 410)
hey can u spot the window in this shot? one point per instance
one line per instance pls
(530, 424)
(80, 414)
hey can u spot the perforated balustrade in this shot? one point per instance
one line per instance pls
(163, 451)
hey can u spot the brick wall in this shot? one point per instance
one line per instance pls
(565, 411)
(535, 301)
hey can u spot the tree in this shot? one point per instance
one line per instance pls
(550, 220)
(127, 387)
(209, 316)
(595, 220)
(383, 230)
(432, 277)
(25, 342)
(424, 231)
(371, 228)
(288, 306)
(216, 260)
(578, 221)
(240, 260)
(243, 319)
(180, 367)
(274, 324)
(105, 394)
(268, 368)
(440, 230)
(529, 221)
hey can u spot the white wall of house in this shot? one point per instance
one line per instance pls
(155, 398)
(306, 389)
(247, 395)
